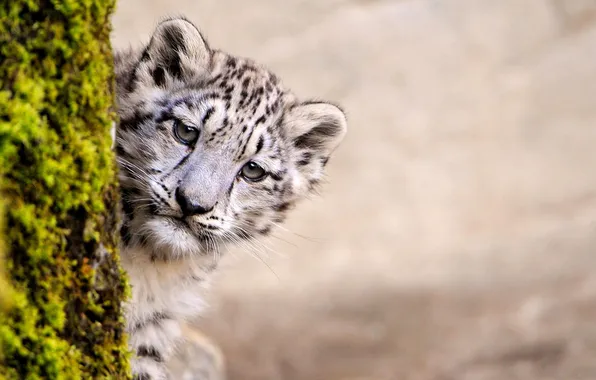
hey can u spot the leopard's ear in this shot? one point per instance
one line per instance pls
(316, 127)
(315, 130)
(177, 50)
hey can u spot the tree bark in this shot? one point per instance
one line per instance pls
(62, 316)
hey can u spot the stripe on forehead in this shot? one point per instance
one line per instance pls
(257, 135)
(265, 110)
(193, 103)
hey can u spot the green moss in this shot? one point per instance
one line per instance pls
(59, 195)
(5, 289)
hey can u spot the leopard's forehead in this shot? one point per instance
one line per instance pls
(237, 104)
(250, 96)
(245, 85)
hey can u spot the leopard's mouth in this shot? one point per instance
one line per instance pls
(178, 222)
(199, 231)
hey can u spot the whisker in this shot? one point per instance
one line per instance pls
(129, 164)
(260, 240)
(251, 251)
(256, 244)
(307, 238)
(239, 226)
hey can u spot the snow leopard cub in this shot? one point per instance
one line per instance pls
(212, 150)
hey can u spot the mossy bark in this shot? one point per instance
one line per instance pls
(63, 316)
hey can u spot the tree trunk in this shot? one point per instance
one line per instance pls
(63, 317)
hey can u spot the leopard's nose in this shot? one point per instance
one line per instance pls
(190, 207)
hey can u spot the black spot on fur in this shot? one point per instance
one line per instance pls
(164, 188)
(282, 207)
(181, 162)
(265, 231)
(208, 226)
(159, 76)
(174, 67)
(214, 79)
(141, 376)
(154, 319)
(230, 192)
(315, 138)
(179, 102)
(243, 95)
(149, 352)
(305, 159)
(231, 62)
(163, 102)
(164, 115)
(131, 84)
(250, 100)
(260, 120)
(134, 123)
(260, 144)
(207, 115)
(175, 39)
(145, 56)
(210, 95)
(247, 140)
(276, 176)
(189, 103)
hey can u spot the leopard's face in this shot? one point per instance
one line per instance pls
(211, 148)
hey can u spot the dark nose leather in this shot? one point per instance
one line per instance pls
(190, 208)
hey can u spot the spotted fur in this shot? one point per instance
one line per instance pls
(242, 114)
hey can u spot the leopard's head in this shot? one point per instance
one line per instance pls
(211, 148)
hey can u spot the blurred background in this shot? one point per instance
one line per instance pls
(456, 236)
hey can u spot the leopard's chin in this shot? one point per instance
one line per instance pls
(171, 237)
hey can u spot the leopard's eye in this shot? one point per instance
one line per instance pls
(253, 172)
(185, 134)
